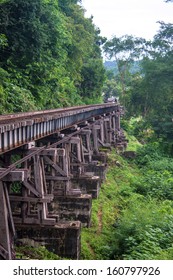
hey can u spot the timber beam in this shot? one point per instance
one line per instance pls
(7, 230)
(19, 175)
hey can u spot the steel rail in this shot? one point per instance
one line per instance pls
(7, 118)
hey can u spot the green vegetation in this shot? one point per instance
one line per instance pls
(97, 240)
(50, 55)
(133, 217)
(38, 253)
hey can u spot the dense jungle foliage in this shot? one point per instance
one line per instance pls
(50, 55)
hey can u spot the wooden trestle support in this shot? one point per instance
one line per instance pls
(54, 170)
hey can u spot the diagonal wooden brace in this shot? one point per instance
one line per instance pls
(55, 166)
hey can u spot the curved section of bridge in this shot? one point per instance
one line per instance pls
(52, 165)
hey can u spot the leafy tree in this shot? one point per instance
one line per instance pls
(93, 75)
(3, 41)
(84, 55)
(155, 95)
(45, 46)
(124, 50)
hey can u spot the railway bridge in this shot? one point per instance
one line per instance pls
(51, 167)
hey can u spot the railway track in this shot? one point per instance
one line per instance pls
(43, 114)
(21, 128)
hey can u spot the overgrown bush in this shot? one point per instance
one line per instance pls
(148, 153)
(155, 184)
(145, 230)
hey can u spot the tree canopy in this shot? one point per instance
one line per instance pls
(48, 51)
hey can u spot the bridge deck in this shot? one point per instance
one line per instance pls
(19, 129)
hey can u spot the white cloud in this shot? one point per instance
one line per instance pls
(133, 17)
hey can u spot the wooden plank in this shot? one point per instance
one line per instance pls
(84, 149)
(30, 187)
(3, 253)
(38, 174)
(57, 178)
(47, 199)
(52, 172)
(43, 177)
(61, 152)
(65, 163)
(45, 152)
(15, 176)
(4, 227)
(55, 166)
(67, 158)
(74, 140)
(39, 183)
(102, 131)
(10, 217)
(85, 131)
(95, 139)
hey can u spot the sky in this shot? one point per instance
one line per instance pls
(133, 17)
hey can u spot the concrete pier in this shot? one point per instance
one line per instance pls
(62, 239)
(73, 208)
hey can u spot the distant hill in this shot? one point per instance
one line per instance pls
(112, 65)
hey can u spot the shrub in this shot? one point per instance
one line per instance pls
(145, 230)
(155, 184)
